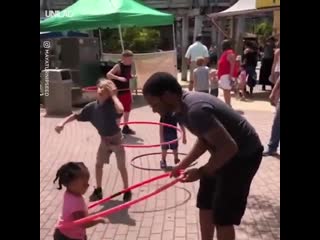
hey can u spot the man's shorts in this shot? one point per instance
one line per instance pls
(109, 145)
(126, 100)
(226, 193)
(172, 146)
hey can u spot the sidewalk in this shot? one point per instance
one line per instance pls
(172, 214)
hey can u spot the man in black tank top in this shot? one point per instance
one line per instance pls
(234, 146)
(120, 74)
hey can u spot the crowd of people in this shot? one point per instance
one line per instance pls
(231, 72)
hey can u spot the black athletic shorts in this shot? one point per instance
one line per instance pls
(226, 193)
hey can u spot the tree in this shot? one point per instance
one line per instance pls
(136, 39)
(263, 30)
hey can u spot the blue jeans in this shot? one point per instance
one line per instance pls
(275, 132)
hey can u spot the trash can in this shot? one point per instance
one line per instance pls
(57, 86)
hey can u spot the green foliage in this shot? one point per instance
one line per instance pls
(263, 29)
(140, 40)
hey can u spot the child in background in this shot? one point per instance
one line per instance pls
(103, 114)
(201, 76)
(235, 86)
(168, 134)
(242, 82)
(214, 83)
(75, 177)
(121, 75)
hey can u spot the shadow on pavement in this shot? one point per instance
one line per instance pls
(188, 193)
(130, 139)
(121, 217)
(138, 101)
(265, 217)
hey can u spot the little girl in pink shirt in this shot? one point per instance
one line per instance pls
(75, 177)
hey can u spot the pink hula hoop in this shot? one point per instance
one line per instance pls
(124, 205)
(152, 145)
(91, 89)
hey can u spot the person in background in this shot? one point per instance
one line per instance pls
(213, 56)
(121, 74)
(214, 83)
(197, 49)
(275, 130)
(275, 71)
(242, 82)
(168, 134)
(226, 70)
(266, 64)
(201, 76)
(250, 60)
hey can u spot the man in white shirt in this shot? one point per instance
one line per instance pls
(197, 49)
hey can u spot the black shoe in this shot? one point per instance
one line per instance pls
(127, 196)
(96, 195)
(127, 130)
(163, 164)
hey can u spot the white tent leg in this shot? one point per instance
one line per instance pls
(120, 35)
(174, 37)
(100, 42)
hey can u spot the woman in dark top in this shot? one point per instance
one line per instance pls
(266, 63)
(250, 59)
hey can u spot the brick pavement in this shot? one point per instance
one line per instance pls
(171, 214)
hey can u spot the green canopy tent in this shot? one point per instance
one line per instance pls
(96, 14)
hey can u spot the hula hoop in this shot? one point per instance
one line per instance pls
(152, 145)
(124, 205)
(91, 89)
(150, 154)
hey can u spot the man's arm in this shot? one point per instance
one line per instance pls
(213, 137)
(197, 150)
(275, 93)
(275, 60)
(188, 56)
(224, 148)
(112, 74)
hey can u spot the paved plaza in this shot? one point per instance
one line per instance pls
(171, 214)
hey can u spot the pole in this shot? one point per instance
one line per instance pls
(174, 37)
(120, 35)
(100, 42)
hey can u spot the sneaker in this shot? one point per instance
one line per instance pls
(269, 152)
(127, 130)
(176, 161)
(163, 164)
(96, 195)
(127, 196)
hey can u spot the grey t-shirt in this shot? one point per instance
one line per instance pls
(202, 78)
(102, 116)
(200, 113)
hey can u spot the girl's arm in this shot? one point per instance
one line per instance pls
(81, 214)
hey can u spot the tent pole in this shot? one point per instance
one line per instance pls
(120, 35)
(100, 42)
(174, 37)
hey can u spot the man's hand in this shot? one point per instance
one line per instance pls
(191, 175)
(59, 128)
(176, 171)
